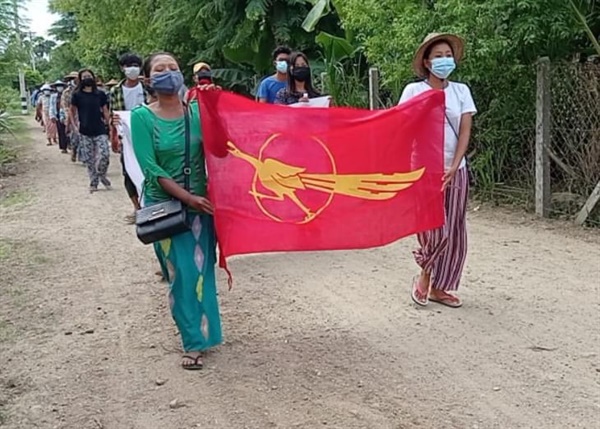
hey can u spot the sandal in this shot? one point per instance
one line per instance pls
(106, 183)
(449, 301)
(195, 366)
(415, 290)
(130, 219)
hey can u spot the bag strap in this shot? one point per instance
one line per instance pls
(187, 171)
(445, 113)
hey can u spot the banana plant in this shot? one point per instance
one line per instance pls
(320, 9)
(586, 27)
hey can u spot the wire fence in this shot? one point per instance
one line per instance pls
(575, 137)
(504, 150)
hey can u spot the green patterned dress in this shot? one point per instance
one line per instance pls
(188, 258)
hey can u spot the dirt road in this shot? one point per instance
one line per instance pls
(314, 340)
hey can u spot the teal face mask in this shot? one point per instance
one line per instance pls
(281, 66)
(443, 67)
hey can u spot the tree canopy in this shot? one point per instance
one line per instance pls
(343, 38)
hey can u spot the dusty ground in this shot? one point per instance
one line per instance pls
(327, 340)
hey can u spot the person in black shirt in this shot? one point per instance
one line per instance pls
(299, 87)
(90, 105)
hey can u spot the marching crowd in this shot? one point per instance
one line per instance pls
(78, 114)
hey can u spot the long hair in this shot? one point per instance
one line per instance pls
(307, 83)
(80, 83)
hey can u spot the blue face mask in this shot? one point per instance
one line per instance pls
(167, 82)
(281, 66)
(443, 67)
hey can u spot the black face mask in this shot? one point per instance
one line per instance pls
(204, 75)
(301, 74)
(88, 81)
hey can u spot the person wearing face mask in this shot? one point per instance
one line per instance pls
(90, 106)
(299, 88)
(202, 77)
(100, 84)
(443, 251)
(160, 133)
(43, 111)
(271, 85)
(127, 95)
(58, 115)
(72, 123)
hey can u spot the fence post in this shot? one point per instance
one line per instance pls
(588, 206)
(542, 139)
(373, 88)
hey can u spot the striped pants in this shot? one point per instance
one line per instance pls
(444, 250)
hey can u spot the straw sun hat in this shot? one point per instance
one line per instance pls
(456, 43)
(72, 75)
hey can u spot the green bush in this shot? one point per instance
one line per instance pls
(504, 40)
(9, 99)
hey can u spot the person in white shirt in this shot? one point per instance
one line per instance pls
(127, 95)
(443, 251)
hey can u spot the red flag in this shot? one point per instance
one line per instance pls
(288, 179)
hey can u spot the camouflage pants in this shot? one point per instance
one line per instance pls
(95, 153)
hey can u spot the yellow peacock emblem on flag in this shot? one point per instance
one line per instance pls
(283, 181)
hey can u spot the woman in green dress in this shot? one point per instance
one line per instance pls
(158, 133)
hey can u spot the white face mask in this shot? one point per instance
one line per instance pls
(46, 92)
(132, 73)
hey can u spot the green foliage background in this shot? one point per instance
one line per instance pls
(343, 38)
(504, 40)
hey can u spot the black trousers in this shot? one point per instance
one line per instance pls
(129, 185)
(63, 138)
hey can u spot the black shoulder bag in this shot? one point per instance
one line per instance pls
(169, 218)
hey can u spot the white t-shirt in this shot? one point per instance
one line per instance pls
(458, 102)
(133, 96)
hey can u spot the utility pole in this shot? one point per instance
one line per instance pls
(31, 53)
(22, 88)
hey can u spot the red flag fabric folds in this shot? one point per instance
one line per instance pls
(285, 179)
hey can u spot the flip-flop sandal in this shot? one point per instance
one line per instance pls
(413, 295)
(196, 366)
(448, 302)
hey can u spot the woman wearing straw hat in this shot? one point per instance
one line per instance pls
(443, 251)
(72, 79)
